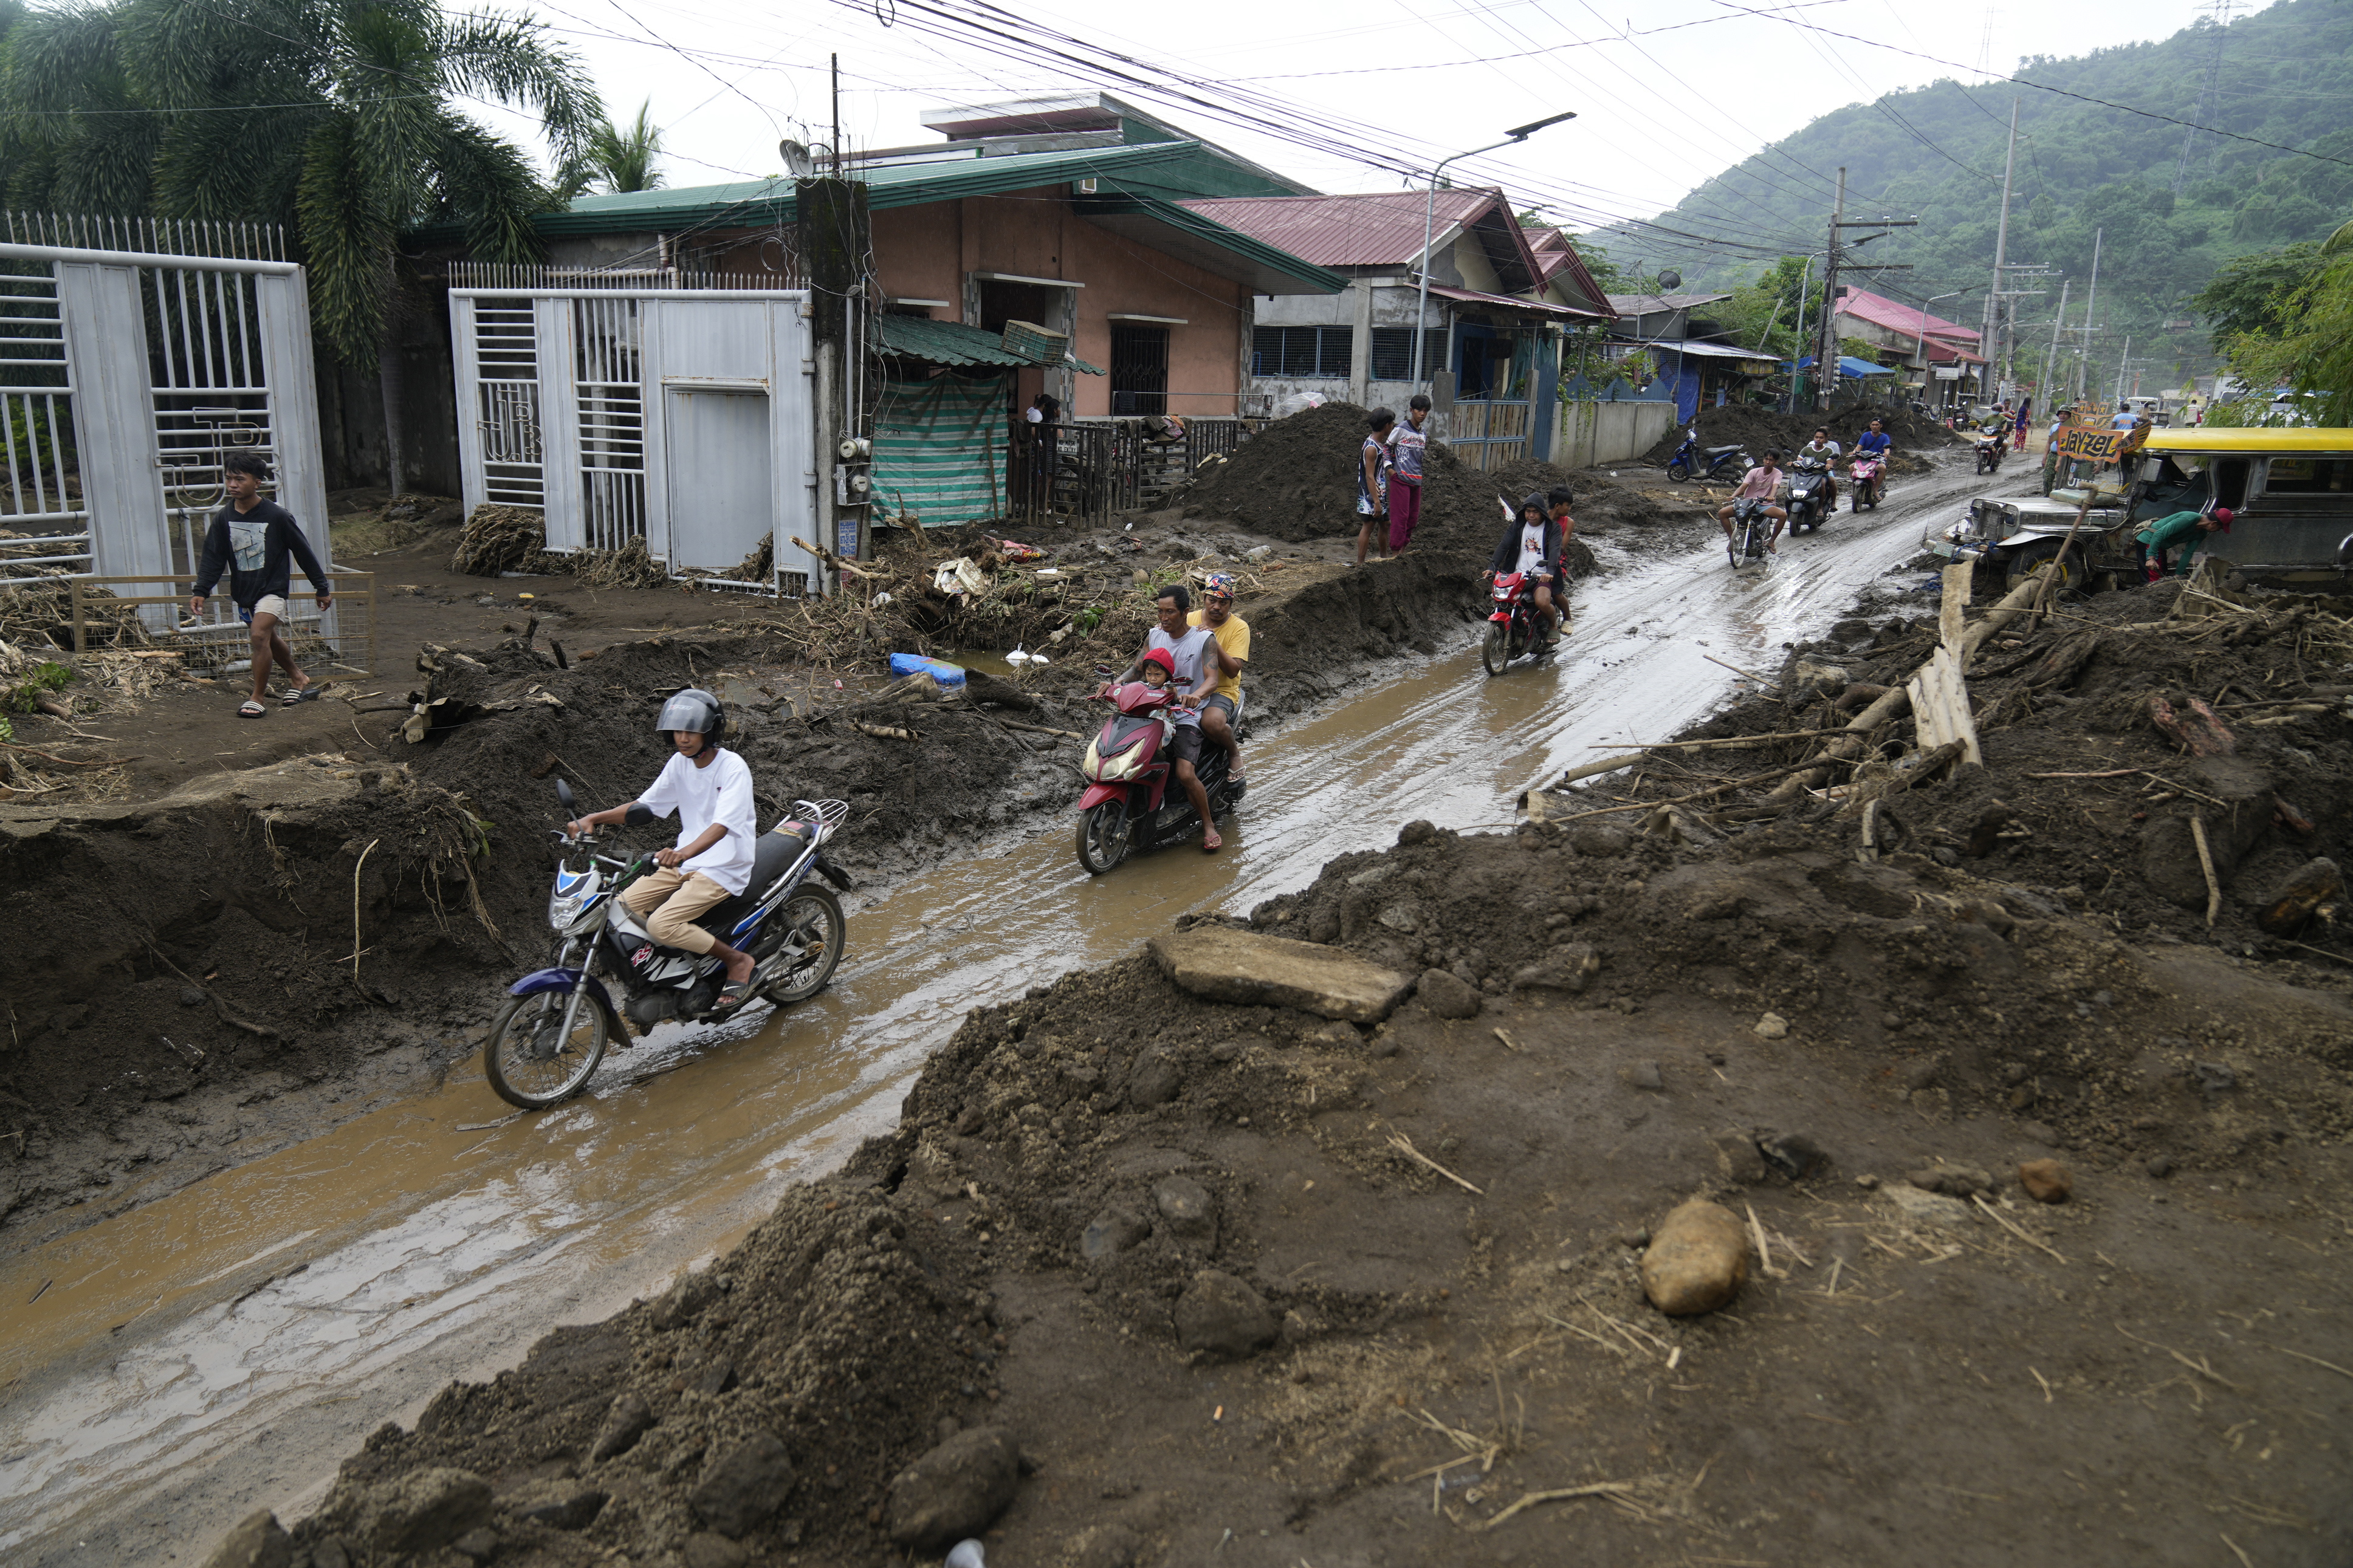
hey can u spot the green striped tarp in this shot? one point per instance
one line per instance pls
(939, 448)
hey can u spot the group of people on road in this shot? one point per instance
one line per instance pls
(1201, 654)
(1389, 478)
(1765, 481)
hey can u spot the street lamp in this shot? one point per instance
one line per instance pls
(1428, 219)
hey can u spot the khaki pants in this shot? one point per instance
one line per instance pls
(681, 899)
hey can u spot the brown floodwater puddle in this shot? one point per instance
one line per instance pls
(147, 1343)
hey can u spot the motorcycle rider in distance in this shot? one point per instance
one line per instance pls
(1531, 546)
(1760, 483)
(1197, 663)
(711, 791)
(1874, 443)
(1822, 452)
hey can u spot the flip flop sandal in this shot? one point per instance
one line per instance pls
(1211, 844)
(734, 995)
(252, 710)
(300, 694)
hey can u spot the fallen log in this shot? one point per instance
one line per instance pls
(2198, 730)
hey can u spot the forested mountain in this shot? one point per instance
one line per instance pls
(2285, 78)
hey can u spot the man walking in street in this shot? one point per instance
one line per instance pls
(255, 540)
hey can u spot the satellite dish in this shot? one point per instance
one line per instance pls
(796, 158)
(1670, 278)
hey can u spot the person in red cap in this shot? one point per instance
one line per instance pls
(2185, 529)
(1159, 667)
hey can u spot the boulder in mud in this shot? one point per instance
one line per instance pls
(953, 1490)
(258, 1541)
(1570, 966)
(2300, 896)
(422, 1510)
(1110, 1233)
(744, 1486)
(1599, 840)
(1697, 1260)
(1154, 1080)
(1447, 995)
(1222, 1316)
(558, 1504)
(2045, 1181)
(1186, 1207)
(628, 1420)
(1249, 970)
(2170, 861)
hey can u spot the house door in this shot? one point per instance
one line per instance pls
(722, 476)
(1139, 369)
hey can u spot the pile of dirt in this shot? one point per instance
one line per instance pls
(1153, 1264)
(1757, 428)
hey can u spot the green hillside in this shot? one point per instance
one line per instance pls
(2286, 78)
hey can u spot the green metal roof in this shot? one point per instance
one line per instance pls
(752, 204)
(952, 342)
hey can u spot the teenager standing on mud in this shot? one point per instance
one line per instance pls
(1407, 445)
(1372, 482)
(254, 540)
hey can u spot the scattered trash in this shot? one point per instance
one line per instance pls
(1015, 550)
(961, 575)
(946, 674)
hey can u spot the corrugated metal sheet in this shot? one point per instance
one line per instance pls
(951, 344)
(939, 446)
(1513, 303)
(1383, 229)
(1897, 316)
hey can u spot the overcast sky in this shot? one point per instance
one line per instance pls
(1666, 97)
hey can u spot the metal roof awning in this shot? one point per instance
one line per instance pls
(954, 343)
(1695, 349)
(1513, 303)
(1176, 230)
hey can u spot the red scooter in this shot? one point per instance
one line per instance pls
(1869, 483)
(1129, 805)
(1514, 624)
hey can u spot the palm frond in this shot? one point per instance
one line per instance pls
(347, 241)
(509, 58)
(626, 158)
(485, 182)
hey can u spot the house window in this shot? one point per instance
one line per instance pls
(1301, 351)
(1139, 369)
(1393, 352)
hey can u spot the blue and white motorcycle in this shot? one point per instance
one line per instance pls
(544, 1045)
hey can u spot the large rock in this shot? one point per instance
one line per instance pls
(558, 1504)
(258, 1541)
(1569, 966)
(2300, 896)
(954, 1491)
(1249, 970)
(1220, 1315)
(1448, 996)
(1110, 1233)
(1697, 1260)
(628, 1420)
(423, 1509)
(2169, 862)
(1186, 1207)
(744, 1486)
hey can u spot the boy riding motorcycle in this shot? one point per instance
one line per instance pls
(711, 792)
(1531, 546)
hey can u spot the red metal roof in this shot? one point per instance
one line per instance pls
(1383, 229)
(1895, 316)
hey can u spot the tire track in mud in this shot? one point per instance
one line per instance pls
(439, 1237)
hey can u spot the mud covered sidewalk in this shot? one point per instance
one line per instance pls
(1339, 1233)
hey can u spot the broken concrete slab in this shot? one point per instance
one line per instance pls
(1250, 970)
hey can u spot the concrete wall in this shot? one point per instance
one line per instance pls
(1587, 433)
(925, 252)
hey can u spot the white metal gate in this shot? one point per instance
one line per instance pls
(569, 393)
(128, 374)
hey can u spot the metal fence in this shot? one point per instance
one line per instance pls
(1096, 466)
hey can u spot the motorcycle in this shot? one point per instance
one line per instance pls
(1989, 450)
(1516, 626)
(1710, 462)
(1866, 483)
(1129, 806)
(1809, 496)
(544, 1045)
(1752, 531)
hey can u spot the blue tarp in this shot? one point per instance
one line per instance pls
(946, 674)
(1848, 365)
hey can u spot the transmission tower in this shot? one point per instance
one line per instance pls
(2219, 13)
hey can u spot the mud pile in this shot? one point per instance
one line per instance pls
(1193, 1265)
(1757, 428)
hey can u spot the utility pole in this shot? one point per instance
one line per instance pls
(2091, 304)
(2050, 360)
(1994, 357)
(2220, 12)
(1798, 350)
(2120, 368)
(1823, 370)
(837, 114)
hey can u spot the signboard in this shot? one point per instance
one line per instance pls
(2096, 444)
(1948, 373)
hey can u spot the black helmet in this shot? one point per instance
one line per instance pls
(696, 709)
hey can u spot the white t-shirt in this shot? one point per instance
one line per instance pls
(1188, 651)
(720, 791)
(1532, 543)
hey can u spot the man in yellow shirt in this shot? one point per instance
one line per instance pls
(1221, 711)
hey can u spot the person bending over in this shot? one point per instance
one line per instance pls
(711, 792)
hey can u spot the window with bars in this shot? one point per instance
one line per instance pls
(1393, 352)
(1301, 351)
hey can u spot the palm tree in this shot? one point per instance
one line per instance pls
(623, 160)
(338, 119)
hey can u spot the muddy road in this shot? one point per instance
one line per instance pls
(176, 1364)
